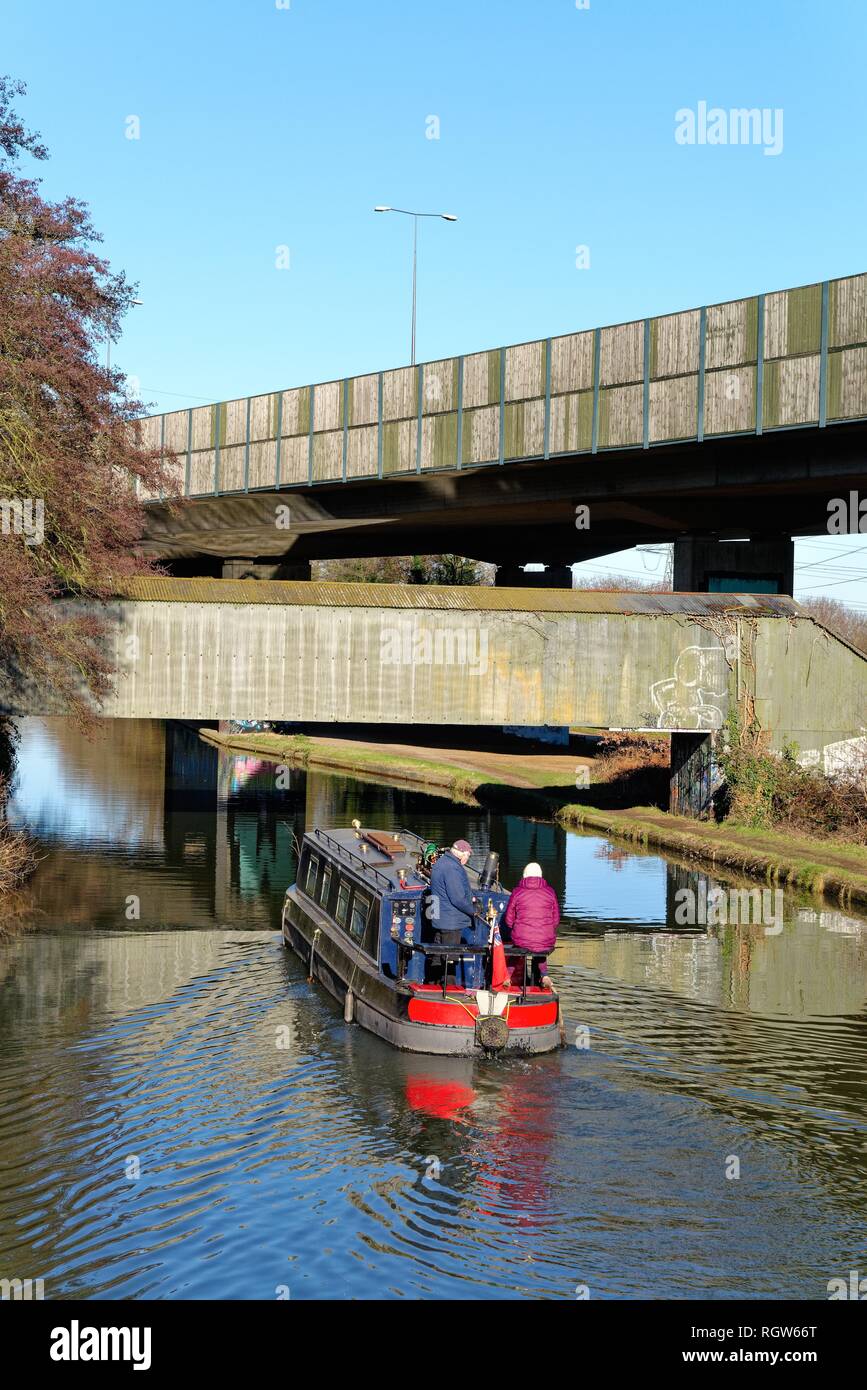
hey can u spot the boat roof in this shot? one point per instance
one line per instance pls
(344, 845)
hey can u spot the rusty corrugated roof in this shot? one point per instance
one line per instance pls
(156, 589)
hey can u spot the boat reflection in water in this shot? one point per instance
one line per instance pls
(439, 1088)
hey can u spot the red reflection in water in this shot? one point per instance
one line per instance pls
(442, 1100)
(514, 1160)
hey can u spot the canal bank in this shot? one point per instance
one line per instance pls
(831, 869)
(17, 863)
(537, 782)
(542, 784)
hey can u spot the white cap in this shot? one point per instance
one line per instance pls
(532, 871)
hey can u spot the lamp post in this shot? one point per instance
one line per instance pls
(407, 212)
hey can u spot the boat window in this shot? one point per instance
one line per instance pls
(342, 903)
(326, 886)
(360, 914)
(312, 871)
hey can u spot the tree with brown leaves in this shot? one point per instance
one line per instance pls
(69, 453)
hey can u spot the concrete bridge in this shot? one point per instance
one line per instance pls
(739, 418)
(223, 649)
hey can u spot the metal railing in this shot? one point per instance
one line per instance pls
(697, 368)
(350, 854)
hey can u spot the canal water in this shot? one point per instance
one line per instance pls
(183, 1116)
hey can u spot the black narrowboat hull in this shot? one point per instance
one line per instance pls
(383, 1006)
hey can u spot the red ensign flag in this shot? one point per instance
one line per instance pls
(500, 976)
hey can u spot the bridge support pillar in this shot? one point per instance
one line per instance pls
(693, 779)
(511, 576)
(298, 569)
(237, 568)
(704, 564)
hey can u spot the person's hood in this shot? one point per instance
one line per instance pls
(533, 883)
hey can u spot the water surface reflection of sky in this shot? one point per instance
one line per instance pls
(599, 874)
(60, 799)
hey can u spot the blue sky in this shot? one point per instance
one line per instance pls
(264, 127)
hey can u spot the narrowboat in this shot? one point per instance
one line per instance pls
(360, 915)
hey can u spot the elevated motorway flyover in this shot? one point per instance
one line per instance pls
(733, 419)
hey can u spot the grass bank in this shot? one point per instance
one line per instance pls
(541, 781)
(832, 868)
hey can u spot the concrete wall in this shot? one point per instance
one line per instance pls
(810, 688)
(428, 657)
(225, 661)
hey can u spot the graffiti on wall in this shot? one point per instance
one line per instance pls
(695, 695)
(845, 756)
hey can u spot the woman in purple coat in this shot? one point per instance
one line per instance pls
(533, 916)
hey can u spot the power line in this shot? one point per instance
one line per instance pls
(855, 579)
(831, 558)
(181, 395)
(609, 568)
(624, 572)
(854, 609)
(659, 552)
(818, 545)
(835, 571)
(843, 572)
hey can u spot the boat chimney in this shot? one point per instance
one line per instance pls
(490, 870)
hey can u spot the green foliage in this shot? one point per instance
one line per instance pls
(453, 569)
(405, 569)
(755, 779)
(300, 747)
(766, 790)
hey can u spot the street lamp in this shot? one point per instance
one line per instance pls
(445, 217)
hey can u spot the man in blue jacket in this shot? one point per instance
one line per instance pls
(451, 900)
